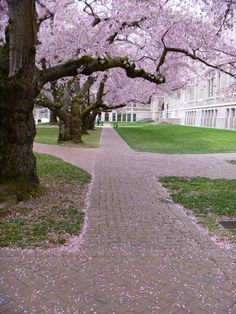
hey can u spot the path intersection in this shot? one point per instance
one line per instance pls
(139, 252)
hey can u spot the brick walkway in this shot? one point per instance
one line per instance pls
(139, 252)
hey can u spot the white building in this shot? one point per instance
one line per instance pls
(130, 113)
(201, 105)
(41, 115)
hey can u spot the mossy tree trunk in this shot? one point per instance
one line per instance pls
(76, 125)
(65, 129)
(17, 92)
(17, 132)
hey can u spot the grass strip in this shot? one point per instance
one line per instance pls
(209, 199)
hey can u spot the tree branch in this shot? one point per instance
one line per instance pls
(87, 85)
(99, 98)
(87, 65)
(43, 101)
(106, 107)
(192, 56)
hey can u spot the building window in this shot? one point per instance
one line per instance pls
(113, 117)
(118, 117)
(124, 117)
(211, 87)
(129, 117)
(134, 117)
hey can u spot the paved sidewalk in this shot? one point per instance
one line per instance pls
(139, 252)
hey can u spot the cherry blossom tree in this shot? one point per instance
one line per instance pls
(156, 41)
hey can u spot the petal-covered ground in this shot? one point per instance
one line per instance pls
(138, 253)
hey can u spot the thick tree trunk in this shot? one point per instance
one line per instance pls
(18, 87)
(84, 125)
(64, 130)
(53, 117)
(76, 124)
(76, 131)
(17, 131)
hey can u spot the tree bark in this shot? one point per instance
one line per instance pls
(92, 118)
(64, 131)
(84, 125)
(17, 132)
(53, 117)
(76, 125)
(18, 75)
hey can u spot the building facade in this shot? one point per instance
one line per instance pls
(203, 104)
(41, 115)
(130, 113)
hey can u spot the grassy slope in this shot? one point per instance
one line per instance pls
(173, 139)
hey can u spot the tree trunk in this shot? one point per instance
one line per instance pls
(64, 130)
(18, 87)
(92, 119)
(76, 124)
(84, 125)
(17, 131)
(76, 132)
(53, 117)
(91, 123)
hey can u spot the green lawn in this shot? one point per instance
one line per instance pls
(53, 167)
(53, 217)
(47, 134)
(176, 139)
(209, 199)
